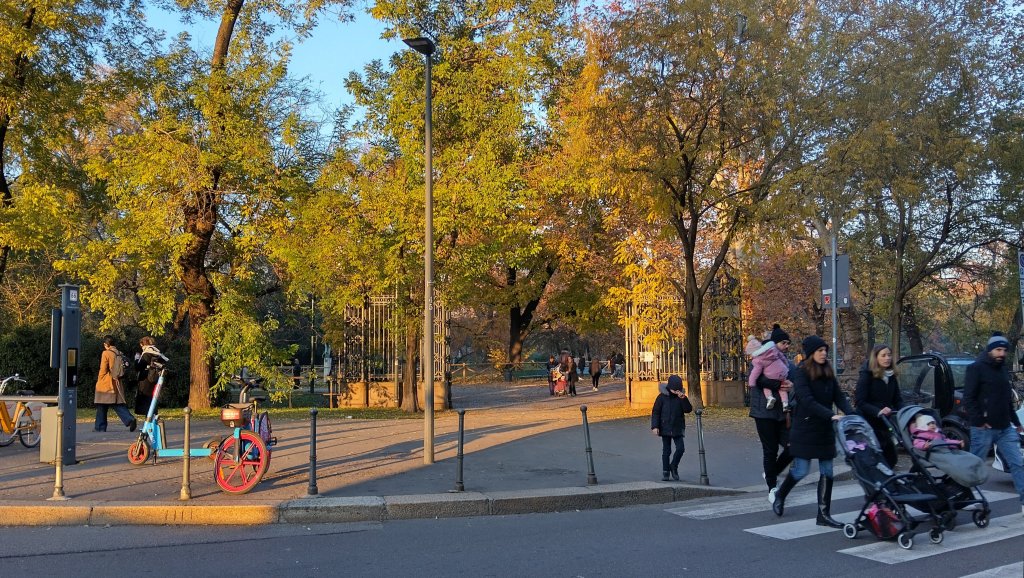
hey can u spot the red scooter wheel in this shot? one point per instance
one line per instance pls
(138, 452)
(238, 477)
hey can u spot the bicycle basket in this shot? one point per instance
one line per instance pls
(235, 415)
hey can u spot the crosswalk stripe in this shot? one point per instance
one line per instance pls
(888, 552)
(759, 504)
(808, 527)
(1008, 571)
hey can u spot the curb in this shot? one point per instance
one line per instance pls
(355, 509)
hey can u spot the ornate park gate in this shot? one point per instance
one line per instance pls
(371, 356)
(655, 347)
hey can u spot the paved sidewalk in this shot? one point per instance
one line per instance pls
(524, 452)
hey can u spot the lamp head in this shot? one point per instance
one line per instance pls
(420, 44)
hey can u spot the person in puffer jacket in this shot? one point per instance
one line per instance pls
(669, 422)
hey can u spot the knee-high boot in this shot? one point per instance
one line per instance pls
(825, 504)
(780, 495)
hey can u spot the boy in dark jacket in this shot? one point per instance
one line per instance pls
(668, 421)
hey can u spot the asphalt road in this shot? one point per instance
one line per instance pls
(736, 536)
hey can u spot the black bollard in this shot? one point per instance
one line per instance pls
(459, 487)
(58, 479)
(186, 490)
(312, 489)
(591, 476)
(700, 444)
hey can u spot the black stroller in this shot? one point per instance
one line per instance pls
(886, 493)
(946, 471)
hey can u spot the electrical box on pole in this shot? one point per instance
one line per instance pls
(842, 297)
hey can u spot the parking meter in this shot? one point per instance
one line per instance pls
(65, 343)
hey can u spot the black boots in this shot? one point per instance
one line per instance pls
(825, 504)
(664, 475)
(781, 493)
(675, 473)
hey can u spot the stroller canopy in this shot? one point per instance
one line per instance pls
(855, 429)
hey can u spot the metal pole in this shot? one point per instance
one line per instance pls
(459, 487)
(591, 476)
(58, 482)
(312, 489)
(700, 445)
(186, 491)
(428, 291)
(835, 296)
(312, 344)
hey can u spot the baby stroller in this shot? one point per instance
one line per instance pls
(948, 472)
(886, 493)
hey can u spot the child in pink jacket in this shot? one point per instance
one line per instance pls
(771, 363)
(926, 434)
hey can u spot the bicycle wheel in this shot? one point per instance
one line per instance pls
(6, 439)
(29, 432)
(241, 476)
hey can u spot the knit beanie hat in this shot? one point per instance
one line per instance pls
(997, 340)
(923, 420)
(812, 344)
(675, 383)
(778, 335)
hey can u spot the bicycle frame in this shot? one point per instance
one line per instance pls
(7, 423)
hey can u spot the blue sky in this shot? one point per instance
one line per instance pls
(332, 51)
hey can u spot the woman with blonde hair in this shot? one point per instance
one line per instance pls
(878, 395)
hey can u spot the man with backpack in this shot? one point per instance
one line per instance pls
(109, 388)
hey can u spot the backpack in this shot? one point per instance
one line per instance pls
(120, 366)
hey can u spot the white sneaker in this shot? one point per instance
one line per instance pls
(771, 495)
(771, 403)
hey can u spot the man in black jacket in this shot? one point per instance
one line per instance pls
(988, 400)
(668, 421)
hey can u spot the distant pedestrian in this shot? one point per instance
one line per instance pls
(147, 365)
(568, 369)
(551, 365)
(988, 399)
(771, 423)
(812, 436)
(109, 389)
(878, 395)
(595, 371)
(669, 422)
(296, 373)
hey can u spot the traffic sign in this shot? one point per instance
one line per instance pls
(842, 295)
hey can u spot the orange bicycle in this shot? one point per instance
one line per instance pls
(23, 424)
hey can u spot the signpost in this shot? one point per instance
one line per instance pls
(835, 289)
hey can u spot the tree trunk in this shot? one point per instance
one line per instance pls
(854, 350)
(520, 317)
(896, 324)
(913, 330)
(412, 346)
(693, 360)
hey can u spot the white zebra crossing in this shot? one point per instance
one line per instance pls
(966, 536)
(1008, 571)
(759, 504)
(808, 527)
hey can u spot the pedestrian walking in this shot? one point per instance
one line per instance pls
(988, 400)
(146, 367)
(812, 436)
(568, 369)
(772, 429)
(595, 371)
(668, 420)
(551, 365)
(109, 389)
(878, 395)
(296, 373)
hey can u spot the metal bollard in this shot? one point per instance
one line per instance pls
(459, 487)
(591, 476)
(312, 489)
(58, 482)
(700, 444)
(186, 490)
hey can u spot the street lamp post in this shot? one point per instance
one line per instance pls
(426, 47)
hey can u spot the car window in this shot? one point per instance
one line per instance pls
(917, 382)
(959, 370)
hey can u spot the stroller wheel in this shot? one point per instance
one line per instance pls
(935, 535)
(906, 541)
(850, 531)
(980, 518)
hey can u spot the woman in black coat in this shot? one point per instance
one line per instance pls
(877, 395)
(812, 436)
(146, 365)
(668, 421)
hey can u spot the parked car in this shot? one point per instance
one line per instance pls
(934, 381)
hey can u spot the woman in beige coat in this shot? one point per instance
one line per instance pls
(109, 391)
